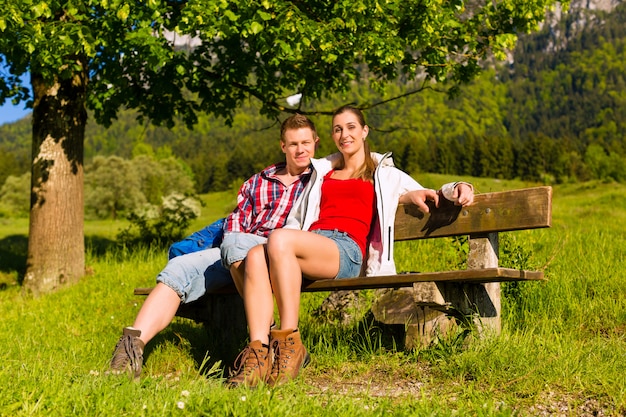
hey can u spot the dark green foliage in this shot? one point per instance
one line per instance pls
(555, 115)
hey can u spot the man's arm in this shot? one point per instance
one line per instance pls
(240, 219)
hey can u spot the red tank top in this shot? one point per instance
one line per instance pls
(348, 206)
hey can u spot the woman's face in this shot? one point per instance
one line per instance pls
(348, 133)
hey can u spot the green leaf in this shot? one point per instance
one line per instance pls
(256, 27)
(123, 12)
(264, 15)
(230, 15)
(40, 10)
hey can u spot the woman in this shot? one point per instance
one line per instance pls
(326, 236)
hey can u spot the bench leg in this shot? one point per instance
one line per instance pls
(427, 308)
(228, 330)
(443, 306)
(474, 305)
(477, 305)
(484, 298)
(431, 325)
(420, 309)
(224, 319)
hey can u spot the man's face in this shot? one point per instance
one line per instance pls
(299, 147)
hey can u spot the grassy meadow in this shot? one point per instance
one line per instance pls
(562, 350)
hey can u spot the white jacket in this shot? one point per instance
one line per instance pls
(389, 184)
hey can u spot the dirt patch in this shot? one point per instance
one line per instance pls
(381, 382)
(376, 380)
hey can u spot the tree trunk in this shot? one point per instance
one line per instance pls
(56, 245)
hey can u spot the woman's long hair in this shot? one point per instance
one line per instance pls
(365, 171)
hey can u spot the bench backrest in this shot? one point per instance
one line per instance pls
(528, 208)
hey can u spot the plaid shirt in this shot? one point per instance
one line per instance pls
(263, 202)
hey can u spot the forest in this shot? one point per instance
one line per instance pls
(554, 113)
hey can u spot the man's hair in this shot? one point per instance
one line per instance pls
(295, 122)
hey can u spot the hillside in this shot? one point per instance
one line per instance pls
(556, 112)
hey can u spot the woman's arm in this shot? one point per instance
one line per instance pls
(461, 193)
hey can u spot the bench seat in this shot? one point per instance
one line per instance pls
(472, 292)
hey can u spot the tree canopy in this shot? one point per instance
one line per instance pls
(112, 54)
(173, 59)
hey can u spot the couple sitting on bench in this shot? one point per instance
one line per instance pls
(349, 198)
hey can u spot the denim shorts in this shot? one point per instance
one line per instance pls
(193, 274)
(236, 245)
(350, 256)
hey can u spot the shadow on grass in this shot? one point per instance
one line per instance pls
(99, 245)
(201, 346)
(13, 252)
(365, 335)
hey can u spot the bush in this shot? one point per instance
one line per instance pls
(115, 186)
(160, 225)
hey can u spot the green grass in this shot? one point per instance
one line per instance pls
(562, 350)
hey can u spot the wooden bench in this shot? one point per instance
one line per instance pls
(424, 301)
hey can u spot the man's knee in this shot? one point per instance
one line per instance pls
(235, 247)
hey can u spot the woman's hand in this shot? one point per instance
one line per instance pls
(463, 194)
(419, 198)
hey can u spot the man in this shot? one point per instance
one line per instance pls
(263, 203)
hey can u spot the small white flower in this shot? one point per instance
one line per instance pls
(180, 405)
(243, 398)
(145, 407)
(94, 373)
(185, 393)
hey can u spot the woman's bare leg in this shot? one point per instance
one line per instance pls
(257, 295)
(292, 253)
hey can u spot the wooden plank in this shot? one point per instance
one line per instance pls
(528, 208)
(406, 280)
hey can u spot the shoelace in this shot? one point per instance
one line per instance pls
(277, 355)
(246, 355)
(133, 354)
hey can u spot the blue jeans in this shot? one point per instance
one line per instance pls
(350, 256)
(193, 274)
(235, 246)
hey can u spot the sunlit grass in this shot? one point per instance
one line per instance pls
(561, 351)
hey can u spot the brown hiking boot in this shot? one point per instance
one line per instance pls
(251, 366)
(128, 353)
(290, 356)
